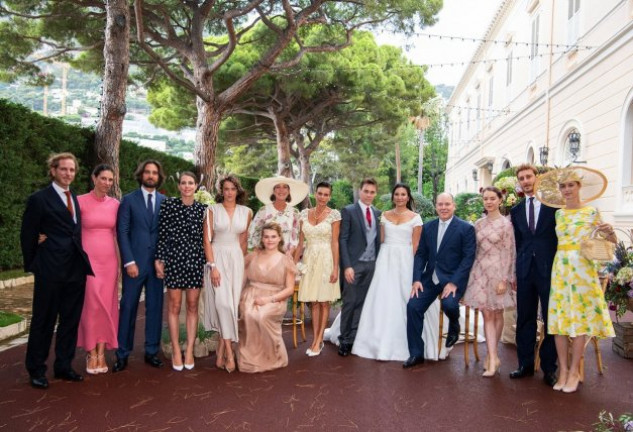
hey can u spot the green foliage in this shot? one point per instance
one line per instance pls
(342, 194)
(26, 141)
(8, 318)
(608, 423)
(510, 172)
(469, 206)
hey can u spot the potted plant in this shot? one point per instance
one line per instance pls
(619, 295)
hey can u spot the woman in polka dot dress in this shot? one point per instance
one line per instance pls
(180, 261)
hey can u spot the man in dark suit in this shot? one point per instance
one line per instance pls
(536, 242)
(442, 266)
(137, 232)
(359, 243)
(51, 247)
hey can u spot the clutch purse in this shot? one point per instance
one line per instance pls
(596, 248)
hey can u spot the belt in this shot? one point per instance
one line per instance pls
(568, 247)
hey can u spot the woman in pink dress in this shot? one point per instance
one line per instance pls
(100, 315)
(492, 274)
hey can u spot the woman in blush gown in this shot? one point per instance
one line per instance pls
(382, 330)
(100, 315)
(270, 280)
(492, 274)
(225, 238)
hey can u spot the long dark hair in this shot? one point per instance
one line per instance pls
(410, 202)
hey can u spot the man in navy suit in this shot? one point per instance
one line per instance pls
(442, 266)
(137, 232)
(51, 247)
(359, 243)
(535, 236)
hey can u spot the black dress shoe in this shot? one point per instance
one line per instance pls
(550, 378)
(412, 361)
(119, 365)
(153, 360)
(451, 339)
(69, 375)
(344, 350)
(39, 382)
(522, 372)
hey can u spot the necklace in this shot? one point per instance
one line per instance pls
(316, 215)
(400, 213)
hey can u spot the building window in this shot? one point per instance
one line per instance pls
(534, 47)
(491, 89)
(573, 21)
(509, 69)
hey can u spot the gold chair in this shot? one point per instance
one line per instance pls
(297, 321)
(469, 338)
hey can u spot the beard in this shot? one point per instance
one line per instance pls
(149, 183)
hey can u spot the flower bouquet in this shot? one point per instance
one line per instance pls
(511, 191)
(203, 196)
(619, 291)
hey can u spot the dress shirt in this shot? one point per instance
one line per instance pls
(62, 195)
(537, 209)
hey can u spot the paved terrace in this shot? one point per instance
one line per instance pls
(325, 393)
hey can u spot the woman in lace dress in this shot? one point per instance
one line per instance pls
(319, 232)
(225, 233)
(492, 274)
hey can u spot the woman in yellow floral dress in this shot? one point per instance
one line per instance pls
(577, 308)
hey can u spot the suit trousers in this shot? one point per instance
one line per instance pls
(353, 296)
(128, 308)
(50, 300)
(417, 307)
(530, 290)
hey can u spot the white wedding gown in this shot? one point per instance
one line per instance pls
(382, 330)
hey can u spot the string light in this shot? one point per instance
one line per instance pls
(503, 42)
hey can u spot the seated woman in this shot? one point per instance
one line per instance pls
(269, 281)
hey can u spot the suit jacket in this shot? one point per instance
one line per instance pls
(137, 232)
(60, 257)
(453, 260)
(352, 238)
(539, 247)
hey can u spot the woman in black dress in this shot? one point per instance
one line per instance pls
(180, 261)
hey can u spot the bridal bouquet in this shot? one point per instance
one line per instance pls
(511, 191)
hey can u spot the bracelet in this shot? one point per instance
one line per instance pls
(272, 299)
(211, 264)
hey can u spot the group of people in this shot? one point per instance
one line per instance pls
(391, 272)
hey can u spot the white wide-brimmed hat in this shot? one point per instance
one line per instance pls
(592, 185)
(264, 189)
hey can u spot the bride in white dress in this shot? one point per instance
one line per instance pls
(382, 330)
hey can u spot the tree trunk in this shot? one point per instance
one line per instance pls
(207, 128)
(116, 53)
(284, 163)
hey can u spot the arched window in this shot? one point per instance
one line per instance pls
(530, 155)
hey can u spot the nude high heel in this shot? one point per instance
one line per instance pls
(562, 378)
(571, 385)
(104, 369)
(89, 370)
(494, 370)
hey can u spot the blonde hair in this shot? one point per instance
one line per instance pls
(54, 159)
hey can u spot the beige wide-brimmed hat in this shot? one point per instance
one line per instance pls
(592, 185)
(264, 189)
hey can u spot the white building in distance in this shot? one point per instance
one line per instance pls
(552, 81)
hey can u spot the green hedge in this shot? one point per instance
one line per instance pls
(26, 141)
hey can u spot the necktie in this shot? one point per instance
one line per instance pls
(440, 234)
(368, 216)
(69, 204)
(531, 224)
(150, 205)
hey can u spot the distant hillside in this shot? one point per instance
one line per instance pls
(444, 90)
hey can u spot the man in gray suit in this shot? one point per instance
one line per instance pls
(359, 242)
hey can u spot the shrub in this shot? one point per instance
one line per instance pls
(26, 141)
(469, 206)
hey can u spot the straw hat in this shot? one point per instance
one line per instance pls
(264, 189)
(592, 185)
